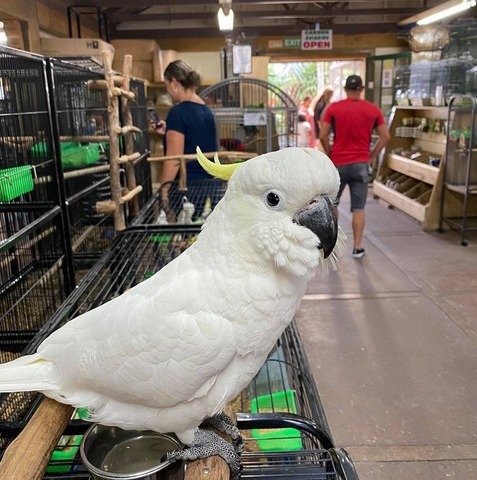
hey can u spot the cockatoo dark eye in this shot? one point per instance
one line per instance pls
(273, 199)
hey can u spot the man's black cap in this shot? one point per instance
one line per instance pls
(353, 82)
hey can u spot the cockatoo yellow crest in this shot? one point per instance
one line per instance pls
(215, 168)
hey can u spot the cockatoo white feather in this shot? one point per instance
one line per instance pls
(180, 345)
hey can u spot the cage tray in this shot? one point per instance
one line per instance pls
(73, 155)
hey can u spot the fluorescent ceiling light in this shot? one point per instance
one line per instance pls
(225, 15)
(439, 12)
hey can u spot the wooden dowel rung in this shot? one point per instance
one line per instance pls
(85, 138)
(127, 129)
(103, 84)
(131, 194)
(119, 92)
(193, 156)
(129, 158)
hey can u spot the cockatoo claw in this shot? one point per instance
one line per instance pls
(223, 423)
(206, 444)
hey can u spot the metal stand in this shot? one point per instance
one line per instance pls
(460, 172)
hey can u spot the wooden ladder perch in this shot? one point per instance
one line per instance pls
(118, 87)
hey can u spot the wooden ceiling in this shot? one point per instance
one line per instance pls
(156, 19)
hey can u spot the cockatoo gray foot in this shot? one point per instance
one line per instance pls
(223, 423)
(206, 444)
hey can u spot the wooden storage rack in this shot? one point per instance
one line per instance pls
(413, 186)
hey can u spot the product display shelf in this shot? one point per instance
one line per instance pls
(458, 206)
(410, 175)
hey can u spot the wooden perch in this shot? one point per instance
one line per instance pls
(28, 455)
(19, 141)
(127, 129)
(192, 156)
(114, 150)
(123, 93)
(83, 237)
(129, 158)
(130, 195)
(85, 138)
(211, 468)
(106, 207)
(103, 84)
(86, 171)
(129, 138)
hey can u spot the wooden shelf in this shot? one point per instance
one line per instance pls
(413, 186)
(399, 200)
(412, 168)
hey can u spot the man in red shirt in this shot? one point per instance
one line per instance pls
(352, 122)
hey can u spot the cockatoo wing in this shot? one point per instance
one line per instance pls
(153, 345)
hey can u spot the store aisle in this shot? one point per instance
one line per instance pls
(392, 344)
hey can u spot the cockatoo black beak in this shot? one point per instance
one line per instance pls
(320, 217)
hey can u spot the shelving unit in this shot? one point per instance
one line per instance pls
(459, 187)
(410, 176)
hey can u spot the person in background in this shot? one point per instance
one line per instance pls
(305, 110)
(352, 121)
(304, 132)
(322, 104)
(189, 124)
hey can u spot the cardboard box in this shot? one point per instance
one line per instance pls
(141, 69)
(141, 50)
(160, 60)
(75, 47)
(208, 64)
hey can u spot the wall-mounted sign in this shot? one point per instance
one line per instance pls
(292, 42)
(288, 42)
(316, 39)
(242, 59)
(387, 73)
(275, 44)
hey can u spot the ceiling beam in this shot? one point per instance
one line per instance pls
(292, 30)
(199, 3)
(120, 16)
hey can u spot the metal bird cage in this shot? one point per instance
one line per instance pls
(81, 110)
(83, 146)
(35, 260)
(282, 400)
(36, 272)
(252, 115)
(49, 226)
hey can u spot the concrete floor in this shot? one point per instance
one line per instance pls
(392, 343)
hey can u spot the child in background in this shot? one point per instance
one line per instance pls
(304, 132)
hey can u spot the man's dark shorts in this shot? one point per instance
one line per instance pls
(356, 175)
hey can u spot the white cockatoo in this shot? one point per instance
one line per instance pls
(176, 348)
